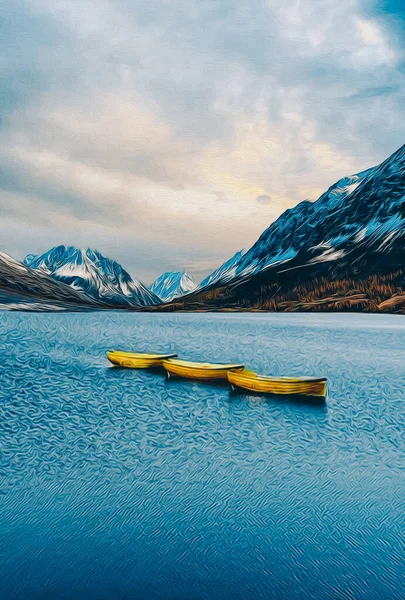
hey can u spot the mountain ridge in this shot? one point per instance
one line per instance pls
(90, 271)
(224, 272)
(22, 288)
(355, 229)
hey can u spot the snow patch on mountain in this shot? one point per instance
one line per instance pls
(327, 255)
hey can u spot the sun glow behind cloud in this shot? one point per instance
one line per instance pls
(151, 130)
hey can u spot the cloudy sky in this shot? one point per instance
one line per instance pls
(168, 134)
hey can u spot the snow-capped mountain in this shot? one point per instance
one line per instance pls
(356, 216)
(309, 224)
(91, 272)
(225, 272)
(173, 285)
(25, 289)
(355, 229)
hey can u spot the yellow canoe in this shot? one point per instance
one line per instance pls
(137, 360)
(199, 370)
(300, 386)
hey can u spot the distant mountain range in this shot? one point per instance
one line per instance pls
(343, 252)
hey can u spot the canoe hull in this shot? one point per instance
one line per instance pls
(137, 361)
(279, 386)
(203, 372)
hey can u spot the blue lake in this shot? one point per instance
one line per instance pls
(119, 484)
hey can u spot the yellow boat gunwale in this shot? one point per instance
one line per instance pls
(300, 386)
(199, 370)
(144, 355)
(203, 365)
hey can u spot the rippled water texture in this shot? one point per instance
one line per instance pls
(120, 484)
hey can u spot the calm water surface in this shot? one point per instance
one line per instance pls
(119, 484)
